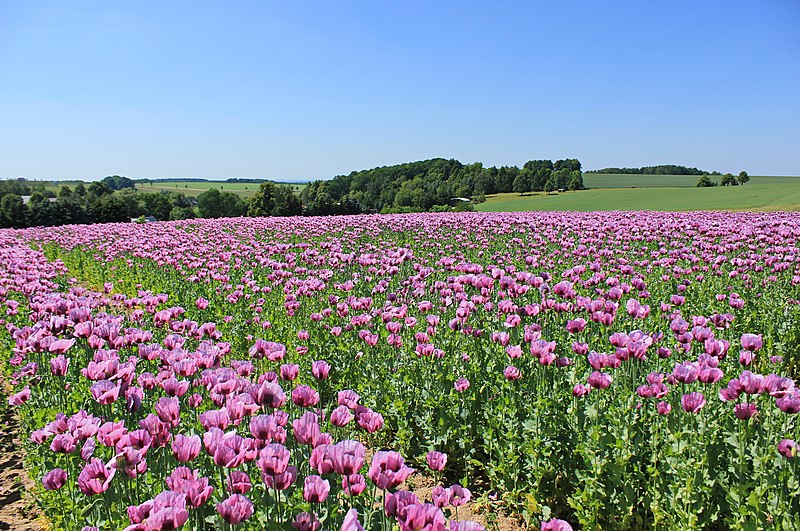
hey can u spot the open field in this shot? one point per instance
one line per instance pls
(190, 188)
(195, 188)
(619, 370)
(613, 180)
(762, 193)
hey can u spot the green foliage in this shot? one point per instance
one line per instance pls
(220, 204)
(552, 183)
(664, 169)
(274, 200)
(705, 182)
(743, 177)
(418, 186)
(464, 206)
(13, 212)
(575, 181)
(729, 180)
(18, 187)
(157, 205)
(522, 182)
(116, 182)
(109, 209)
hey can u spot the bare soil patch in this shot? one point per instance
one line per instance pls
(17, 510)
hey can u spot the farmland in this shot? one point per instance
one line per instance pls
(662, 192)
(611, 370)
(195, 188)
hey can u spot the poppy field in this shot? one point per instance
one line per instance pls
(601, 370)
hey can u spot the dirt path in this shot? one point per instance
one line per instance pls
(17, 511)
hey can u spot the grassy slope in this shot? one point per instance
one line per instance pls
(195, 188)
(598, 180)
(762, 193)
(191, 188)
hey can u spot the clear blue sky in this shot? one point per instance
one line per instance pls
(310, 89)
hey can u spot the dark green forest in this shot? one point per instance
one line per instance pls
(429, 185)
(664, 169)
(433, 185)
(26, 204)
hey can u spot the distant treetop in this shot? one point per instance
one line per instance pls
(664, 169)
(116, 182)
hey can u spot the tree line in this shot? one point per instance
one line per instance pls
(664, 169)
(26, 204)
(727, 180)
(431, 185)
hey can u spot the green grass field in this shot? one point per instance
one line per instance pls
(190, 188)
(613, 180)
(638, 193)
(195, 188)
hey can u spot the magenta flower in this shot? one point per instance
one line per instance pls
(235, 509)
(186, 447)
(422, 516)
(663, 408)
(168, 511)
(351, 522)
(105, 392)
(370, 420)
(555, 525)
(396, 503)
(306, 429)
(580, 390)
(388, 470)
(440, 496)
(238, 482)
(600, 380)
(348, 398)
(20, 398)
(465, 525)
(354, 484)
(512, 373)
(95, 477)
(214, 418)
(290, 371)
(269, 394)
(693, 402)
(168, 410)
(59, 365)
(461, 385)
(576, 325)
(305, 396)
(436, 461)
(686, 372)
(320, 369)
(60, 346)
(459, 495)
(341, 416)
(273, 459)
(788, 404)
(746, 357)
(231, 451)
(306, 522)
(788, 448)
(63, 443)
(347, 457)
(316, 489)
(266, 428)
(745, 411)
(752, 342)
(54, 479)
(280, 481)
